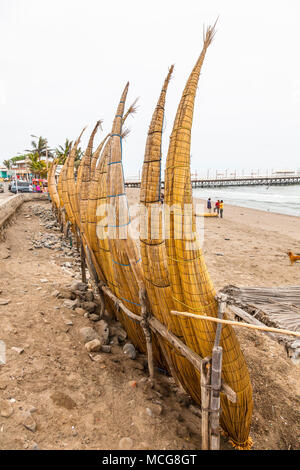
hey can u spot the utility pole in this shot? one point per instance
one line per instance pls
(16, 181)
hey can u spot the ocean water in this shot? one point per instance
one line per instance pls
(279, 199)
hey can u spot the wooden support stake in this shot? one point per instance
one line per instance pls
(83, 264)
(216, 375)
(146, 330)
(205, 402)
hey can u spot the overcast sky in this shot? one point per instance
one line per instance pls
(64, 64)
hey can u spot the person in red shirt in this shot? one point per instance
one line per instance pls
(217, 207)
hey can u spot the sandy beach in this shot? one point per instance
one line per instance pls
(248, 247)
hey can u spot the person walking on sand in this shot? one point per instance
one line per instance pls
(221, 209)
(209, 205)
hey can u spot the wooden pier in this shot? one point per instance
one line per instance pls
(238, 181)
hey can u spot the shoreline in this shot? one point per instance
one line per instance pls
(251, 208)
(248, 247)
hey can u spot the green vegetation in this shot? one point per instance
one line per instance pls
(37, 158)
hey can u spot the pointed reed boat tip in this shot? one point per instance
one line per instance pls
(125, 133)
(209, 34)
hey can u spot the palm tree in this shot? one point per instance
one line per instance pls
(7, 164)
(37, 167)
(40, 147)
(63, 151)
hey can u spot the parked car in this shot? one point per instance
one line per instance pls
(1, 187)
(22, 186)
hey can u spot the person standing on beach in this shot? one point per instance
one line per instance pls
(209, 205)
(221, 209)
(217, 207)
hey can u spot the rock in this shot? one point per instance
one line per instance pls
(69, 322)
(4, 301)
(88, 334)
(89, 306)
(105, 348)
(129, 350)
(80, 310)
(122, 335)
(67, 265)
(93, 346)
(55, 293)
(89, 296)
(94, 317)
(103, 331)
(77, 285)
(118, 332)
(44, 281)
(3, 385)
(30, 423)
(71, 304)
(65, 294)
(154, 410)
(6, 410)
(17, 350)
(125, 443)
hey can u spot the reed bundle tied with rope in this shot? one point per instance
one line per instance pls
(192, 289)
(170, 265)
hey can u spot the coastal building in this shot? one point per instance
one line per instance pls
(4, 172)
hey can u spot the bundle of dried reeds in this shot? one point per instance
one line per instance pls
(192, 289)
(170, 265)
(153, 250)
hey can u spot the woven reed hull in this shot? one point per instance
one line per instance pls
(93, 198)
(153, 251)
(66, 195)
(71, 186)
(52, 186)
(123, 253)
(85, 179)
(191, 285)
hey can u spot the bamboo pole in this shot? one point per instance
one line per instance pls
(236, 323)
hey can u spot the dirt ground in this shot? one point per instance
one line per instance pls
(68, 401)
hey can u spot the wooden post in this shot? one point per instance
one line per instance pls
(83, 264)
(146, 330)
(216, 378)
(216, 375)
(205, 402)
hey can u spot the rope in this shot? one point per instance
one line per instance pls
(130, 301)
(183, 260)
(121, 264)
(116, 195)
(191, 308)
